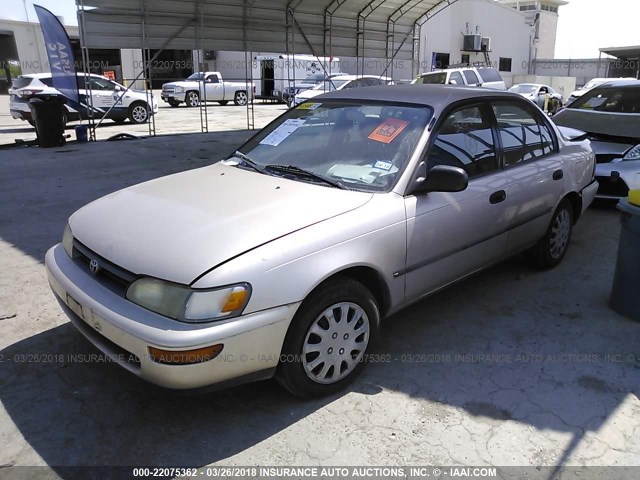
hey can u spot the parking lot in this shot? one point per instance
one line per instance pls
(512, 367)
(167, 121)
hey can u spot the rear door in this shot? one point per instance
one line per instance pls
(450, 235)
(534, 171)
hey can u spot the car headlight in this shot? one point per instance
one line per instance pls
(633, 154)
(185, 304)
(67, 241)
(178, 89)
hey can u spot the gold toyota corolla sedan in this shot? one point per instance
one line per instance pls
(282, 259)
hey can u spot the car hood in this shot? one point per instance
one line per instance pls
(177, 227)
(182, 83)
(306, 94)
(601, 123)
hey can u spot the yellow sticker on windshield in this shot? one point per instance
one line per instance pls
(308, 106)
(388, 130)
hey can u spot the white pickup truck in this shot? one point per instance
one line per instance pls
(208, 87)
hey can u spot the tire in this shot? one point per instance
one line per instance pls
(302, 370)
(550, 249)
(138, 113)
(173, 103)
(240, 98)
(223, 102)
(192, 99)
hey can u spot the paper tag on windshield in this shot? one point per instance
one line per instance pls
(383, 165)
(281, 133)
(388, 130)
(308, 106)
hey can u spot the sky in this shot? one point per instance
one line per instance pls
(584, 26)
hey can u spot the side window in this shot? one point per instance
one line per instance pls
(472, 78)
(455, 76)
(465, 140)
(523, 136)
(100, 84)
(213, 79)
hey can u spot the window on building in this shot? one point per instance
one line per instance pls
(440, 60)
(466, 58)
(504, 64)
(524, 8)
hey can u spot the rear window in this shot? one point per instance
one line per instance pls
(610, 99)
(431, 78)
(489, 75)
(21, 82)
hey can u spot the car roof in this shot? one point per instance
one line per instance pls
(620, 83)
(49, 75)
(436, 96)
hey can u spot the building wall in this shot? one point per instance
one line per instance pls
(582, 70)
(547, 30)
(507, 27)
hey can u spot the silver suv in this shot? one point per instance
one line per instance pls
(467, 76)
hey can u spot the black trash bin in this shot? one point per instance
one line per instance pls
(48, 114)
(624, 295)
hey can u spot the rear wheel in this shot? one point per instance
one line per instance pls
(240, 98)
(193, 99)
(551, 248)
(325, 347)
(138, 113)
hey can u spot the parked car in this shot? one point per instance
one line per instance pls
(593, 83)
(283, 258)
(209, 87)
(341, 82)
(610, 115)
(466, 76)
(135, 105)
(537, 93)
(311, 81)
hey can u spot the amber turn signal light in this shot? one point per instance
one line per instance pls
(185, 357)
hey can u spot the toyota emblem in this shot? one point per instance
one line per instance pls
(94, 266)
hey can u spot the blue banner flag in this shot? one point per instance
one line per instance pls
(61, 61)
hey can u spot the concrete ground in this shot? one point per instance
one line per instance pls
(167, 121)
(513, 367)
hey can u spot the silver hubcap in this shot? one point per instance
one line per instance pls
(242, 98)
(139, 114)
(193, 99)
(560, 234)
(335, 343)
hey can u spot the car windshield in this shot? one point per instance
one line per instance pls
(360, 146)
(330, 85)
(523, 88)
(610, 99)
(433, 78)
(196, 76)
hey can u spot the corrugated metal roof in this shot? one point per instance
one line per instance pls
(364, 28)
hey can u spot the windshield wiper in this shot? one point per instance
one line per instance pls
(247, 161)
(301, 172)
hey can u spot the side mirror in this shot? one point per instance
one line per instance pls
(441, 178)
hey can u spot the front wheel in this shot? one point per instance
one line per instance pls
(325, 347)
(240, 98)
(193, 99)
(138, 113)
(551, 248)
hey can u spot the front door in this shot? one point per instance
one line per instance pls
(213, 88)
(450, 235)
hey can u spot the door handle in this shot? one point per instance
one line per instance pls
(558, 174)
(497, 197)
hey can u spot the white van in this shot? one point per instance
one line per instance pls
(274, 74)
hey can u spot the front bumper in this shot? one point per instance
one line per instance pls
(617, 178)
(177, 96)
(124, 331)
(588, 194)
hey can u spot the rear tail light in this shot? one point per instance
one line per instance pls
(29, 93)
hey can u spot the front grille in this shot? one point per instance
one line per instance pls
(168, 89)
(611, 187)
(109, 274)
